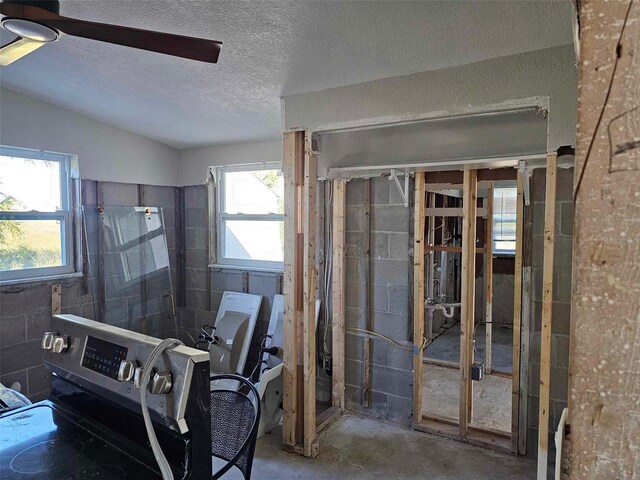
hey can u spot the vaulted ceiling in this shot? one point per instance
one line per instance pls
(271, 49)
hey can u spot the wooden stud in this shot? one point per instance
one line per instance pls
(439, 248)
(488, 278)
(418, 291)
(547, 307)
(310, 280)
(430, 242)
(467, 316)
(292, 168)
(366, 356)
(517, 317)
(338, 298)
(56, 299)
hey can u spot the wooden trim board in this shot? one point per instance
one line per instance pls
(418, 290)
(338, 298)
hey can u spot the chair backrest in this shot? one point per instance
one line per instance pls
(235, 415)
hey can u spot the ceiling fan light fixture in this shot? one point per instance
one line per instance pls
(29, 30)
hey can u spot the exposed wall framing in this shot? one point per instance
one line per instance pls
(547, 319)
(418, 291)
(338, 300)
(517, 316)
(488, 280)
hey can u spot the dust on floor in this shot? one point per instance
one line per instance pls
(491, 397)
(361, 448)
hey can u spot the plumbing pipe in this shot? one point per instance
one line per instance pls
(442, 307)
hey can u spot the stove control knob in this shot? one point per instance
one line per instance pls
(47, 340)
(137, 377)
(161, 383)
(60, 344)
(126, 370)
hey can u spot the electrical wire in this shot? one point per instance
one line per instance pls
(163, 464)
(387, 339)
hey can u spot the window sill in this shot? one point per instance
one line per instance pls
(244, 268)
(20, 281)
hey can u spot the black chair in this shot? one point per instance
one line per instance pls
(235, 416)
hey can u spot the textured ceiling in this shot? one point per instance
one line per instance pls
(270, 49)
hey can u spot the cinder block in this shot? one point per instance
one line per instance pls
(563, 252)
(566, 218)
(196, 299)
(536, 283)
(379, 246)
(353, 372)
(353, 346)
(169, 217)
(391, 325)
(534, 346)
(534, 376)
(399, 358)
(88, 188)
(533, 406)
(560, 349)
(187, 317)
(559, 383)
(392, 381)
(196, 258)
(354, 317)
(355, 295)
(20, 356)
(399, 246)
(380, 191)
(354, 270)
(195, 218)
(354, 244)
(379, 353)
(196, 278)
(13, 330)
(538, 185)
(399, 300)
(390, 272)
(562, 285)
(390, 218)
(537, 251)
(561, 318)
(157, 196)
(205, 317)
(380, 298)
(195, 196)
(564, 184)
(354, 220)
(355, 192)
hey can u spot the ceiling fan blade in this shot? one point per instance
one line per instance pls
(16, 50)
(177, 45)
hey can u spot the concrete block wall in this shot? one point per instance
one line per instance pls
(392, 380)
(561, 303)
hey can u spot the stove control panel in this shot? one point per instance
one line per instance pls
(108, 360)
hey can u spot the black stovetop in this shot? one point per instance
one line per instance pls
(47, 442)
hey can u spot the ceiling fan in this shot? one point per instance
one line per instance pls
(37, 22)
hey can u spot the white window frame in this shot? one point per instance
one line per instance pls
(68, 172)
(498, 251)
(222, 217)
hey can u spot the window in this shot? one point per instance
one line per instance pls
(35, 214)
(251, 216)
(504, 220)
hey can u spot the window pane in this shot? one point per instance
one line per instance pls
(27, 184)
(254, 192)
(254, 240)
(30, 244)
(504, 219)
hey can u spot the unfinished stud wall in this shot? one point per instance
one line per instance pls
(391, 367)
(561, 304)
(203, 295)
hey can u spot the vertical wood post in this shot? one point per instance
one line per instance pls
(310, 280)
(467, 317)
(418, 291)
(488, 278)
(517, 317)
(604, 399)
(547, 307)
(292, 283)
(338, 299)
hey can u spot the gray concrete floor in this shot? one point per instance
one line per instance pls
(361, 448)
(446, 348)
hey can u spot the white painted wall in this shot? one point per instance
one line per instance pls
(105, 152)
(193, 162)
(546, 78)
